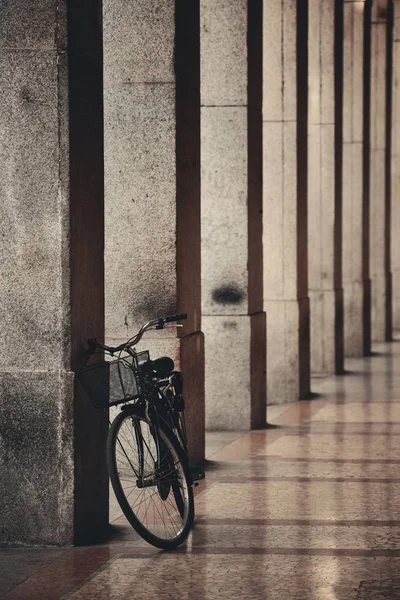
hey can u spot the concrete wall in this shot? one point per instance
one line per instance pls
(379, 192)
(234, 322)
(152, 182)
(53, 477)
(324, 187)
(395, 166)
(356, 282)
(285, 199)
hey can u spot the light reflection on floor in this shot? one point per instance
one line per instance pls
(309, 509)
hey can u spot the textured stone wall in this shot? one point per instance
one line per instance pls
(152, 182)
(53, 477)
(356, 282)
(395, 177)
(285, 199)
(379, 215)
(234, 323)
(324, 187)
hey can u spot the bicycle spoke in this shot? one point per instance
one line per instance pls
(147, 509)
(165, 527)
(169, 516)
(126, 439)
(126, 463)
(161, 503)
(129, 462)
(149, 449)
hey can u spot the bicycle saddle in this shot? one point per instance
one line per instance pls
(162, 366)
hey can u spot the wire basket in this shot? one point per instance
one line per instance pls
(113, 382)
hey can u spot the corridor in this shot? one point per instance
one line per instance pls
(307, 509)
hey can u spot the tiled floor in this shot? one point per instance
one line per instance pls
(308, 509)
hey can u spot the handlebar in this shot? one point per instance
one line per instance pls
(179, 317)
(155, 323)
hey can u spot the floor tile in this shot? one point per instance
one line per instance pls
(244, 576)
(307, 509)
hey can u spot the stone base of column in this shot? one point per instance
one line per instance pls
(396, 299)
(235, 375)
(354, 320)
(288, 350)
(367, 317)
(327, 344)
(357, 319)
(41, 486)
(380, 305)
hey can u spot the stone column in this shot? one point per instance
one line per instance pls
(379, 201)
(231, 151)
(324, 187)
(152, 183)
(285, 199)
(356, 282)
(53, 476)
(395, 167)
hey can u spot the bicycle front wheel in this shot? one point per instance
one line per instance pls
(151, 481)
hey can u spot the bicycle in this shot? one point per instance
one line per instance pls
(147, 451)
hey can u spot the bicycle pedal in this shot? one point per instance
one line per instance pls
(197, 472)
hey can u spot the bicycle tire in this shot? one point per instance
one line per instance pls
(124, 448)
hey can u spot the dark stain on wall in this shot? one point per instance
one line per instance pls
(26, 95)
(229, 325)
(155, 304)
(382, 12)
(228, 294)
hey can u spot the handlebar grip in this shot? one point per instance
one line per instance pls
(172, 318)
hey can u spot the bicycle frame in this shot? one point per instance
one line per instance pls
(172, 416)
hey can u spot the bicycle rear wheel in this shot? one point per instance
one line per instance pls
(155, 495)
